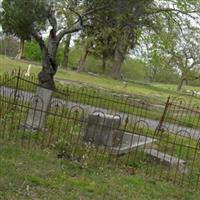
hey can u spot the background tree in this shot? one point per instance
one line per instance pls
(67, 9)
(9, 46)
(104, 47)
(156, 57)
(32, 51)
(128, 20)
(117, 17)
(175, 47)
(185, 58)
(87, 44)
(100, 45)
(12, 23)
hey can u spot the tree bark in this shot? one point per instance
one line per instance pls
(180, 83)
(103, 64)
(49, 65)
(81, 63)
(20, 54)
(66, 51)
(118, 60)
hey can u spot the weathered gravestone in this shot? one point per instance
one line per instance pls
(39, 107)
(102, 129)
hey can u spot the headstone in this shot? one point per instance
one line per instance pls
(102, 129)
(125, 84)
(39, 107)
(28, 70)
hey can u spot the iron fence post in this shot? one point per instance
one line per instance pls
(17, 86)
(158, 128)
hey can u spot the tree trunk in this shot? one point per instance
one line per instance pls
(66, 51)
(49, 65)
(20, 54)
(81, 63)
(103, 64)
(153, 74)
(49, 68)
(180, 83)
(118, 60)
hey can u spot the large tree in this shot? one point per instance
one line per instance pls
(116, 21)
(128, 20)
(33, 18)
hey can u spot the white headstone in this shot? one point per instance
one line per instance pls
(28, 70)
(39, 107)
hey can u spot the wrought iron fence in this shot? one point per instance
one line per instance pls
(97, 127)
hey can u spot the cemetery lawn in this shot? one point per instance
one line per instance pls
(157, 93)
(38, 174)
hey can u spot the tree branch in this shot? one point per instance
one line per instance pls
(80, 19)
(53, 22)
(38, 38)
(172, 10)
(67, 31)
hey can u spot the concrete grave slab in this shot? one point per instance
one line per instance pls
(130, 142)
(167, 159)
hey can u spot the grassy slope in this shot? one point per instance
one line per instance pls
(36, 174)
(154, 92)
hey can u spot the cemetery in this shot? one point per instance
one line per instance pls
(99, 99)
(80, 130)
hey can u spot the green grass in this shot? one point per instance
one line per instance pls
(32, 173)
(36, 174)
(156, 93)
(65, 135)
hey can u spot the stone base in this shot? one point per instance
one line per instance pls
(167, 159)
(130, 142)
